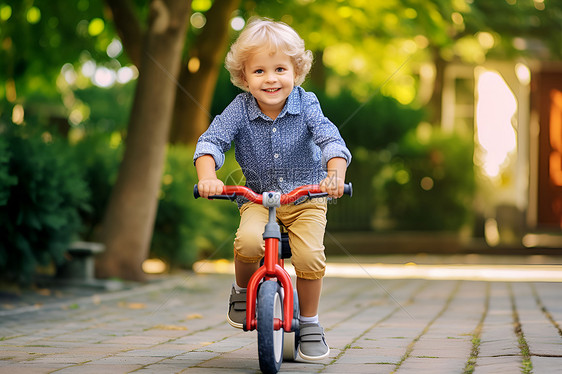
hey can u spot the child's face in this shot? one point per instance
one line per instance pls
(270, 77)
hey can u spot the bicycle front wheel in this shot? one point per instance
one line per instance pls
(270, 341)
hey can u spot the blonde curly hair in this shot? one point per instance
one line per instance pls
(265, 34)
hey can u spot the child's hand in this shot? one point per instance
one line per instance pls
(210, 187)
(333, 186)
(209, 184)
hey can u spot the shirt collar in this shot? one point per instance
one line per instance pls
(292, 105)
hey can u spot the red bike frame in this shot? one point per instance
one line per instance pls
(273, 266)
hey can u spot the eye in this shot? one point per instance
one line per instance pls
(258, 71)
(280, 69)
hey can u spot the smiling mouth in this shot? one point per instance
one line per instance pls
(272, 90)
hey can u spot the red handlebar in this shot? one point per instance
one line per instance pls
(311, 190)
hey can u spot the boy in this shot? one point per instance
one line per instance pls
(282, 141)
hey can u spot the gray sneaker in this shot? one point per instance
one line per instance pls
(236, 308)
(312, 345)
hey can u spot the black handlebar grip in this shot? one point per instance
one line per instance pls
(348, 189)
(218, 197)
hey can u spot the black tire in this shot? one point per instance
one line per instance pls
(291, 339)
(270, 341)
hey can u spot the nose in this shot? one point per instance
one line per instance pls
(271, 77)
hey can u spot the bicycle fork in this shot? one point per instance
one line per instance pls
(271, 269)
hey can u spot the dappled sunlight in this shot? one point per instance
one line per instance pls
(495, 108)
(433, 99)
(410, 270)
(503, 273)
(154, 266)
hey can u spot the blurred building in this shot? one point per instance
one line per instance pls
(514, 110)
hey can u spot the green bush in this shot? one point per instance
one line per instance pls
(40, 215)
(405, 176)
(428, 183)
(372, 130)
(187, 229)
(99, 160)
(6, 179)
(371, 125)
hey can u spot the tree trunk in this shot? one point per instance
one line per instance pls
(128, 28)
(318, 72)
(435, 104)
(191, 110)
(129, 219)
(196, 88)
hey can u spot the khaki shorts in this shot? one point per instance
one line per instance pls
(306, 224)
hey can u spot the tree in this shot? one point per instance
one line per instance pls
(471, 32)
(378, 29)
(37, 39)
(364, 47)
(197, 81)
(374, 46)
(129, 218)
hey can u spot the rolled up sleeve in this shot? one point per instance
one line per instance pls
(333, 150)
(220, 134)
(207, 148)
(324, 133)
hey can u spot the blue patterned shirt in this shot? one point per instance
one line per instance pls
(280, 154)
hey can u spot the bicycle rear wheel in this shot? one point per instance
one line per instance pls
(270, 341)
(291, 342)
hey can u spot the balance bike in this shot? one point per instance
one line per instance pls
(271, 301)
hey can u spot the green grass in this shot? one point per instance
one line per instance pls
(469, 368)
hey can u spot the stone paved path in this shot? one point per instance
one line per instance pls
(372, 326)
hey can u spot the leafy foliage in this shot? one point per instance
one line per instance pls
(364, 43)
(108, 109)
(373, 124)
(41, 214)
(187, 229)
(6, 179)
(65, 30)
(360, 47)
(428, 183)
(99, 160)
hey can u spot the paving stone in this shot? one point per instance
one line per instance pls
(547, 364)
(159, 368)
(93, 368)
(408, 325)
(498, 365)
(443, 348)
(498, 348)
(359, 368)
(368, 357)
(432, 365)
(10, 368)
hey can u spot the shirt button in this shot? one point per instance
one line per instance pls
(281, 179)
(274, 129)
(276, 155)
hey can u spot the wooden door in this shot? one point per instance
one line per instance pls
(548, 102)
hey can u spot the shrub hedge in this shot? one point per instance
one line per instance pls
(52, 192)
(427, 184)
(187, 229)
(43, 193)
